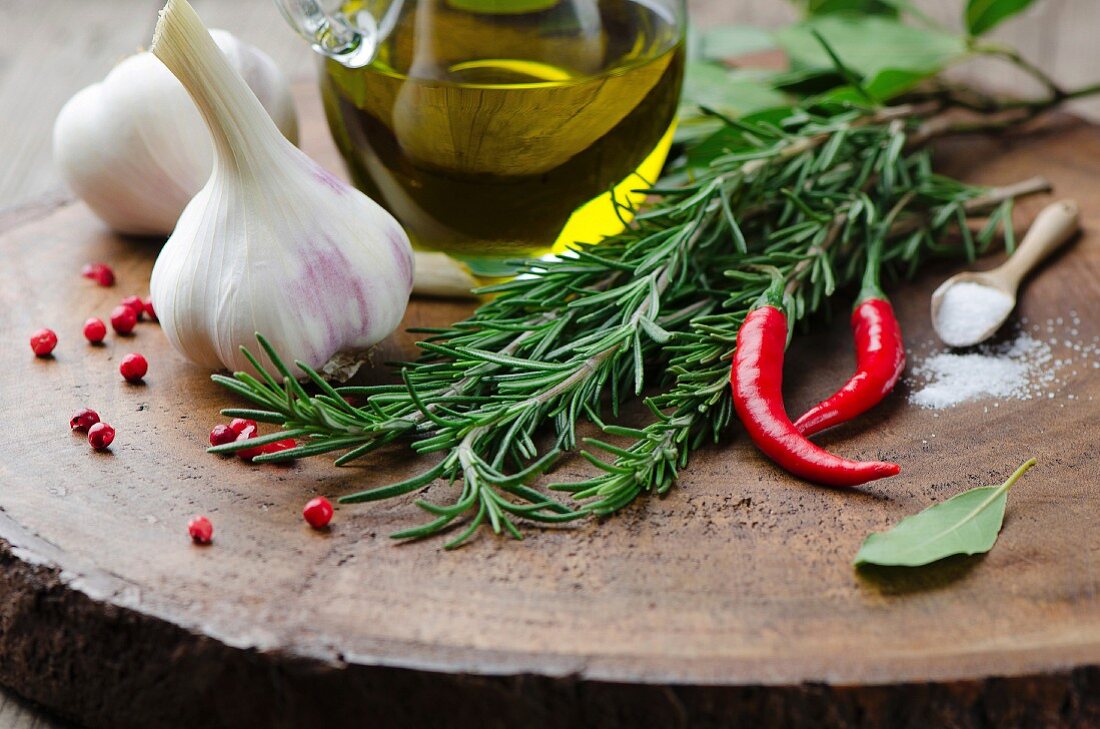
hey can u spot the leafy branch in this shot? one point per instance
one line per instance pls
(501, 395)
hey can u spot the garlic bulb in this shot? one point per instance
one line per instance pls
(272, 243)
(134, 147)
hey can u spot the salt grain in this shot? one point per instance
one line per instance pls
(968, 310)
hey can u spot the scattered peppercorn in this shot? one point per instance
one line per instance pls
(281, 445)
(133, 367)
(147, 304)
(318, 512)
(83, 420)
(95, 330)
(247, 433)
(43, 341)
(100, 436)
(123, 319)
(135, 303)
(101, 273)
(222, 434)
(239, 424)
(200, 529)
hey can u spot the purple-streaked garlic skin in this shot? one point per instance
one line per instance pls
(273, 243)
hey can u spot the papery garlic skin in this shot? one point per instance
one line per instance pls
(134, 146)
(272, 243)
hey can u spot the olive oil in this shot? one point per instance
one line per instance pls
(495, 135)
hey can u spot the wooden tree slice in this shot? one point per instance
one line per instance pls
(730, 601)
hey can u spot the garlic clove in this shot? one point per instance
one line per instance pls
(134, 147)
(272, 243)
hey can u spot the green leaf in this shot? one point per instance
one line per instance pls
(733, 93)
(728, 139)
(983, 15)
(883, 86)
(730, 41)
(967, 523)
(870, 44)
(822, 7)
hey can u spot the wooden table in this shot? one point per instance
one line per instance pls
(733, 597)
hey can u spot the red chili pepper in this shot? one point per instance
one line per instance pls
(880, 359)
(757, 381)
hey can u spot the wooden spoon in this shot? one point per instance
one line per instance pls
(1054, 225)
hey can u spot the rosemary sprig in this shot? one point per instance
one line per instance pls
(501, 394)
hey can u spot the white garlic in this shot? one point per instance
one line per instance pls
(272, 243)
(134, 147)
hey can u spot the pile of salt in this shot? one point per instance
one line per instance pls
(1018, 369)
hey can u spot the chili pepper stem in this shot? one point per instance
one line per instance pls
(871, 288)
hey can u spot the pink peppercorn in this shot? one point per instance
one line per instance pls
(123, 319)
(95, 330)
(318, 512)
(133, 367)
(83, 420)
(281, 445)
(222, 434)
(200, 529)
(247, 454)
(43, 341)
(135, 303)
(147, 304)
(239, 424)
(101, 273)
(100, 436)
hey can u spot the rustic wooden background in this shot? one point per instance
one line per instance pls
(51, 48)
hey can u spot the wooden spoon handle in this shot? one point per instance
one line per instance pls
(1054, 225)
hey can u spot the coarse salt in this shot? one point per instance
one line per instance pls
(968, 310)
(1019, 369)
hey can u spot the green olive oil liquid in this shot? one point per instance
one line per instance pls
(522, 151)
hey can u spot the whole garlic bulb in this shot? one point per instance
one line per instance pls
(272, 244)
(134, 147)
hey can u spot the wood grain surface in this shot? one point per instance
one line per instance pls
(732, 600)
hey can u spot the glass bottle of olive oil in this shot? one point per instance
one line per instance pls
(500, 129)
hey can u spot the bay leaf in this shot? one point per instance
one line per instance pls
(967, 523)
(868, 44)
(983, 15)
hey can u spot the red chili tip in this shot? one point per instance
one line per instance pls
(83, 420)
(318, 512)
(43, 342)
(222, 434)
(147, 304)
(886, 470)
(123, 319)
(135, 303)
(200, 529)
(101, 273)
(100, 436)
(95, 330)
(133, 367)
(855, 473)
